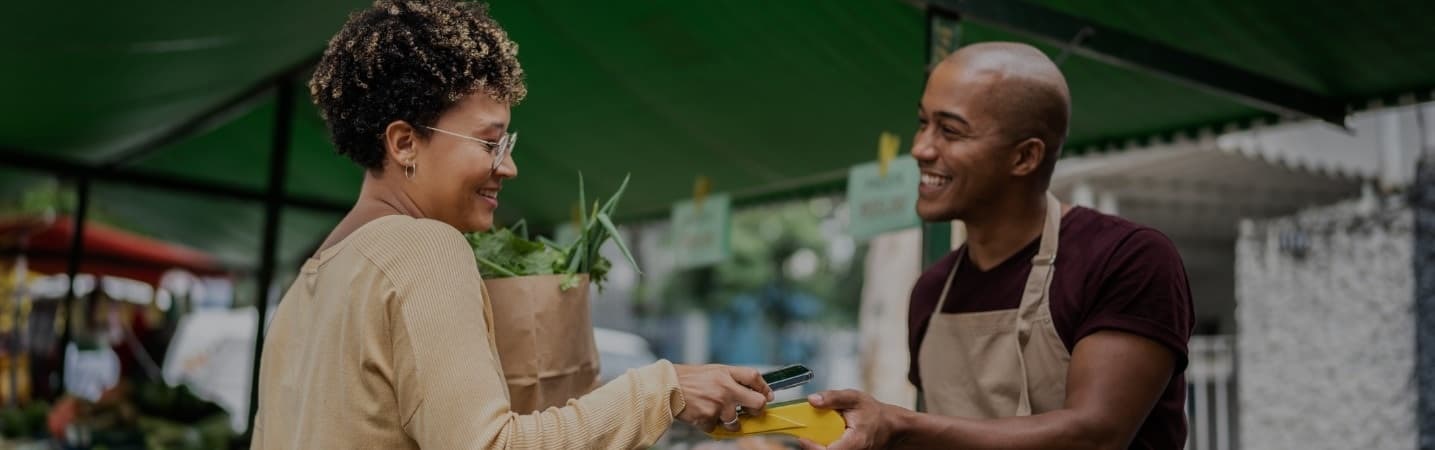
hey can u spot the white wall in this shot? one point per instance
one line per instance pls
(1326, 341)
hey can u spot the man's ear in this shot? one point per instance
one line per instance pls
(401, 142)
(1028, 157)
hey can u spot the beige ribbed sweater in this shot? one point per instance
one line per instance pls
(383, 342)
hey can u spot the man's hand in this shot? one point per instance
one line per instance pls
(869, 422)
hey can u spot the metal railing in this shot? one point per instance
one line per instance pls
(1210, 379)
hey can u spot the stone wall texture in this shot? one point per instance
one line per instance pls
(1326, 329)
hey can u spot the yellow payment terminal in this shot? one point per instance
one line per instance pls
(795, 418)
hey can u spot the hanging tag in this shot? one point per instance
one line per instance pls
(886, 151)
(882, 194)
(701, 187)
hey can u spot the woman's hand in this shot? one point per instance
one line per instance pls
(713, 392)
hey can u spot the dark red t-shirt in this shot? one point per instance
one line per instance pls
(1110, 274)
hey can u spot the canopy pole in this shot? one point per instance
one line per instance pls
(77, 253)
(941, 40)
(1422, 201)
(273, 207)
(19, 282)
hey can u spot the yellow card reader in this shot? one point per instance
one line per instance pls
(795, 418)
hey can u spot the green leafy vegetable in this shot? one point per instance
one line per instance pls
(503, 253)
(508, 252)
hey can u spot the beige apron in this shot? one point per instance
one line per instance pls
(545, 340)
(998, 363)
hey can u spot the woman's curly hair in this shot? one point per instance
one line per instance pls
(409, 60)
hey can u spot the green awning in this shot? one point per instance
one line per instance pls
(766, 98)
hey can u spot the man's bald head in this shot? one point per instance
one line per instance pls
(1024, 91)
(992, 121)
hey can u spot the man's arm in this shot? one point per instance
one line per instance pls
(1114, 380)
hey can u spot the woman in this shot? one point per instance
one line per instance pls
(383, 341)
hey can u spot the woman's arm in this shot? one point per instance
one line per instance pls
(451, 387)
(458, 398)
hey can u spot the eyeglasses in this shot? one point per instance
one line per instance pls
(499, 150)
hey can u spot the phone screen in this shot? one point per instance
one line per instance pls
(787, 377)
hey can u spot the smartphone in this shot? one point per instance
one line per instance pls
(787, 377)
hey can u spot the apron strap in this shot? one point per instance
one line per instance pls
(1034, 296)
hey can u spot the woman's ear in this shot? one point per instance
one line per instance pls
(401, 142)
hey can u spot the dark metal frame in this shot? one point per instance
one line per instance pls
(1422, 201)
(274, 197)
(77, 253)
(1122, 49)
(936, 237)
(273, 208)
(148, 178)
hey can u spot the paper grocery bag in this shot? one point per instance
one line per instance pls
(545, 340)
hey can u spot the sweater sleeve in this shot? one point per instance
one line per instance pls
(448, 379)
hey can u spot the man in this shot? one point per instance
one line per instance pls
(1054, 326)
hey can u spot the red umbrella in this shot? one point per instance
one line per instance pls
(108, 251)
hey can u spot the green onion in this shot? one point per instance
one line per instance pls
(508, 252)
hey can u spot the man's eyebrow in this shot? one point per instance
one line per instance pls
(953, 116)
